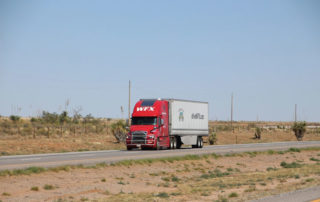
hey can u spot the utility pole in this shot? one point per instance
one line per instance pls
(129, 121)
(295, 113)
(232, 112)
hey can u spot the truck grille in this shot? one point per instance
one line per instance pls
(139, 137)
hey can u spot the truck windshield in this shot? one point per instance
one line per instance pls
(144, 120)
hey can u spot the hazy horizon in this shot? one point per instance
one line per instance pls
(266, 53)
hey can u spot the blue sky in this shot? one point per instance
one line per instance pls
(266, 52)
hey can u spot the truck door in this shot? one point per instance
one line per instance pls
(161, 130)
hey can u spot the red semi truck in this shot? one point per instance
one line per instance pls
(167, 123)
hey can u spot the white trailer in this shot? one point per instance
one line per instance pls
(188, 122)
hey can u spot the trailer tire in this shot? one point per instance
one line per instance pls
(178, 142)
(129, 148)
(200, 142)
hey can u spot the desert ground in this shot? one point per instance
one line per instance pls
(232, 177)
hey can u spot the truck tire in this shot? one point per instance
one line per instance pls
(173, 143)
(178, 142)
(129, 148)
(158, 147)
(200, 142)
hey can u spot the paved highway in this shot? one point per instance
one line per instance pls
(311, 194)
(109, 156)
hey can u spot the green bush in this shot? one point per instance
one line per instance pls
(233, 194)
(257, 134)
(119, 131)
(48, 187)
(34, 189)
(299, 129)
(290, 165)
(14, 118)
(163, 195)
(213, 138)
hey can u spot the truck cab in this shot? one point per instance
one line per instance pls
(149, 125)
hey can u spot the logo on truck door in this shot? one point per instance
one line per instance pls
(181, 117)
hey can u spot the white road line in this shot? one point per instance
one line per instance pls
(29, 159)
(84, 155)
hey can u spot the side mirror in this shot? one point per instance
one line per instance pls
(161, 122)
(127, 127)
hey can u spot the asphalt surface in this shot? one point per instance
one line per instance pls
(110, 156)
(302, 195)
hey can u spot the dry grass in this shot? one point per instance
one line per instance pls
(243, 133)
(243, 176)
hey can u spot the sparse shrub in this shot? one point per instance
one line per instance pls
(257, 134)
(309, 180)
(229, 169)
(174, 179)
(270, 152)
(205, 194)
(294, 150)
(212, 137)
(119, 131)
(6, 194)
(233, 194)
(166, 179)
(163, 195)
(271, 169)
(34, 189)
(299, 129)
(120, 182)
(103, 180)
(48, 187)
(314, 159)
(290, 165)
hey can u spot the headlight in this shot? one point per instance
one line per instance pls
(151, 137)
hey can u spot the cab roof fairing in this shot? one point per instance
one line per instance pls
(141, 110)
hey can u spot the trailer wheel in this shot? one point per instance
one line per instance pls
(129, 148)
(200, 142)
(178, 142)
